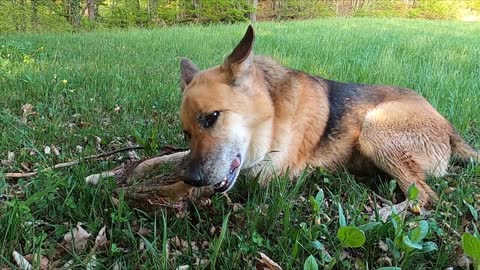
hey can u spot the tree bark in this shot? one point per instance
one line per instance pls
(156, 182)
(92, 10)
(34, 4)
(253, 14)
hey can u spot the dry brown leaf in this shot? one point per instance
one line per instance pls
(79, 149)
(77, 238)
(383, 246)
(27, 110)
(35, 260)
(67, 265)
(201, 262)
(101, 239)
(384, 261)
(265, 263)
(25, 166)
(386, 212)
(144, 231)
(179, 243)
(21, 262)
(10, 157)
(55, 150)
(92, 263)
(463, 261)
(132, 154)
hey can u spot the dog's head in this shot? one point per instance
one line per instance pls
(221, 110)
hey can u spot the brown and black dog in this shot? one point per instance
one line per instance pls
(251, 113)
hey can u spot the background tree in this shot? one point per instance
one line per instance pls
(61, 15)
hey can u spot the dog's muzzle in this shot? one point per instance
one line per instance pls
(231, 177)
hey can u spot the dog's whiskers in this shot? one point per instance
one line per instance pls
(262, 157)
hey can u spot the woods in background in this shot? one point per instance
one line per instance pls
(67, 15)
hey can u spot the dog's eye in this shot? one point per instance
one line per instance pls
(209, 120)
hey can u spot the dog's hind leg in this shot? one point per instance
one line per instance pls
(408, 144)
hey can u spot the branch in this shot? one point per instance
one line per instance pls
(71, 163)
(156, 182)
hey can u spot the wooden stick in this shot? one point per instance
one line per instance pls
(71, 163)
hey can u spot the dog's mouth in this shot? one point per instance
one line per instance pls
(231, 176)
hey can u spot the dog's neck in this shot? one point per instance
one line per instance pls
(291, 139)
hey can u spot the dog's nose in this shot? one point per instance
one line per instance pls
(194, 176)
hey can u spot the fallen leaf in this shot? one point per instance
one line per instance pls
(10, 157)
(202, 263)
(383, 246)
(21, 262)
(101, 239)
(27, 110)
(179, 243)
(36, 261)
(384, 261)
(463, 261)
(55, 150)
(25, 166)
(386, 212)
(77, 238)
(133, 155)
(144, 231)
(98, 143)
(264, 262)
(92, 263)
(79, 149)
(67, 265)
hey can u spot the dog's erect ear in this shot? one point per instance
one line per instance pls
(188, 70)
(239, 63)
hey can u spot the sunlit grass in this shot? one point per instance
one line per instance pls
(123, 86)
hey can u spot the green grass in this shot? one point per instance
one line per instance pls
(138, 71)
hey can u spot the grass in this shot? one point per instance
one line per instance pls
(123, 86)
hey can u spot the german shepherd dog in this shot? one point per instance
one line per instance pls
(251, 113)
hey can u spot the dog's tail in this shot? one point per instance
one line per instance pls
(462, 149)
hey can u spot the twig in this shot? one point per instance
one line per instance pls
(451, 229)
(71, 163)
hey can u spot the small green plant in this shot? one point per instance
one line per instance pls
(349, 235)
(148, 139)
(310, 263)
(471, 247)
(406, 244)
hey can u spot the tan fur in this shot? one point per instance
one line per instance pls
(282, 118)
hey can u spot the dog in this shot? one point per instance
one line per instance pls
(252, 114)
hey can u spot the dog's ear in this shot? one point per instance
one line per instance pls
(188, 70)
(239, 63)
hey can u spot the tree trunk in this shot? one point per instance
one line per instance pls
(92, 10)
(253, 14)
(34, 14)
(72, 11)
